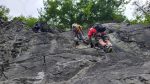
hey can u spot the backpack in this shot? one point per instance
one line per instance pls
(99, 27)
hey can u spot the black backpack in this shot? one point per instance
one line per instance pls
(99, 27)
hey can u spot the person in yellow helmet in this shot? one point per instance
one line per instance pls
(78, 33)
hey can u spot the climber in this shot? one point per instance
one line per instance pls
(98, 32)
(78, 34)
(37, 27)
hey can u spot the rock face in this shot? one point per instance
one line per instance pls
(48, 58)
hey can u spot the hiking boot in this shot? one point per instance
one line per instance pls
(108, 48)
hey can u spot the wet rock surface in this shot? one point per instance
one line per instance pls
(50, 58)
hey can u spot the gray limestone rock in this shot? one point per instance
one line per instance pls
(50, 58)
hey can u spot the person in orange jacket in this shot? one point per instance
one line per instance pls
(78, 33)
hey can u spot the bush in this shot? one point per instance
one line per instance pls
(29, 21)
(4, 12)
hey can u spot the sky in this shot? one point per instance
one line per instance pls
(30, 7)
(23, 7)
(130, 9)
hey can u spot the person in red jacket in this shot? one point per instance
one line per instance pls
(98, 31)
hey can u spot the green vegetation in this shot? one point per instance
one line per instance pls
(4, 12)
(29, 21)
(142, 13)
(20, 18)
(62, 13)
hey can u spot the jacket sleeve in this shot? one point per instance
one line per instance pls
(91, 32)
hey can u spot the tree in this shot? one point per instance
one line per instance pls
(142, 12)
(62, 13)
(4, 12)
